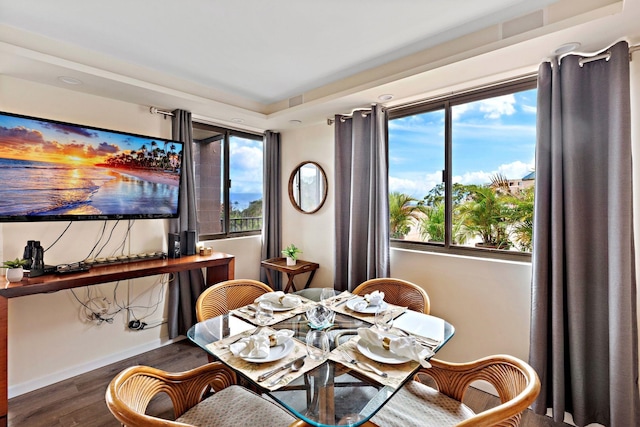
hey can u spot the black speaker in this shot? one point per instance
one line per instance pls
(188, 242)
(173, 249)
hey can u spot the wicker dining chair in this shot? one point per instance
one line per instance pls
(399, 292)
(130, 392)
(419, 405)
(223, 297)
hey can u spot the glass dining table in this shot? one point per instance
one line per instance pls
(333, 392)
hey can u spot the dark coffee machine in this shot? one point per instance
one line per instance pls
(28, 252)
(34, 255)
(38, 257)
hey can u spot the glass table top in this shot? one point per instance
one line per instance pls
(331, 394)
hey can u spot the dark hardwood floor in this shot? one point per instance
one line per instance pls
(79, 401)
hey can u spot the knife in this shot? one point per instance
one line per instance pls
(347, 300)
(276, 370)
(372, 368)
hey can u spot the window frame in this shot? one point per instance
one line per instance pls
(226, 180)
(446, 102)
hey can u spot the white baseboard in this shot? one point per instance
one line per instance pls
(27, 386)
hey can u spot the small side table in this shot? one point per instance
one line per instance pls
(280, 264)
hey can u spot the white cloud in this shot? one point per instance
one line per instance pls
(417, 186)
(458, 110)
(494, 108)
(246, 169)
(514, 170)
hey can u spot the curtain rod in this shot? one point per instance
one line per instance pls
(154, 110)
(607, 55)
(344, 117)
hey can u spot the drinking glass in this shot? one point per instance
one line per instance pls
(320, 316)
(317, 344)
(264, 314)
(326, 293)
(384, 320)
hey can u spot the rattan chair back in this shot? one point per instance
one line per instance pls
(515, 381)
(398, 292)
(225, 296)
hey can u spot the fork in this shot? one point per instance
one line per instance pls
(430, 343)
(354, 361)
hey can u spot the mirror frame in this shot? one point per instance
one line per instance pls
(324, 181)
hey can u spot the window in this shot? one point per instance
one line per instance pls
(228, 173)
(461, 172)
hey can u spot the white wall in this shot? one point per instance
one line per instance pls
(313, 233)
(48, 341)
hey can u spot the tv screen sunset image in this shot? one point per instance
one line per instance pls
(58, 169)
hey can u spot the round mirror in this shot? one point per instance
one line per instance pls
(308, 187)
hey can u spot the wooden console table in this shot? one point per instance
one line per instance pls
(219, 267)
(280, 264)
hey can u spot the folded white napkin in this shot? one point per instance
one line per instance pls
(400, 346)
(279, 297)
(257, 346)
(373, 299)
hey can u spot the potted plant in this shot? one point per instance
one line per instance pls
(15, 270)
(291, 253)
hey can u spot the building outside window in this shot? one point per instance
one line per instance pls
(461, 172)
(229, 181)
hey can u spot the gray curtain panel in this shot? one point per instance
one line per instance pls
(186, 286)
(361, 198)
(584, 342)
(271, 204)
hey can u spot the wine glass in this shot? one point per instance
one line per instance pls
(384, 319)
(264, 314)
(317, 344)
(326, 294)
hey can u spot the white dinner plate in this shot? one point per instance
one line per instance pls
(379, 354)
(370, 309)
(276, 352)
(277, 306)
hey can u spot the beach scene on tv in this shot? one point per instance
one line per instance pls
(51, 168)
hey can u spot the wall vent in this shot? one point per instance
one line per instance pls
(296, 100)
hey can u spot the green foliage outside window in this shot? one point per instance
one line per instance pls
(494, 215)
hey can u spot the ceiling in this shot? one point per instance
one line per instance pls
(269, 64)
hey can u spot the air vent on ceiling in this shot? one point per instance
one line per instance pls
(296, 100)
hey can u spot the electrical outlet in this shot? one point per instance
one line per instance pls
(137, 325)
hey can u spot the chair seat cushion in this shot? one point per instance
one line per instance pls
(418, 405)
(235, 406)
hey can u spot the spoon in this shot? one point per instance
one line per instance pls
(294, 368)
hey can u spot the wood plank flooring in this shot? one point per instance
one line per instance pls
(79, 401)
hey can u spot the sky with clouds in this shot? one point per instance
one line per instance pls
(495, 135)
(245, 168)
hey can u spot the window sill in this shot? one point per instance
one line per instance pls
(462, 251)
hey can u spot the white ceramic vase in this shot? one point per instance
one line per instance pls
(15, 274)
(291, 261)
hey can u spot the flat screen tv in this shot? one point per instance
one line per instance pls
(56, 171)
